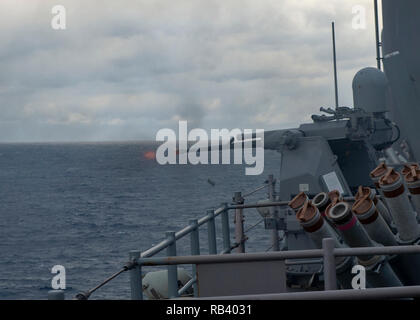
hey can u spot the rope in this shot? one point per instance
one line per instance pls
(269, 248)
(235, 245)
(254, 191)
(252, 227)
(85, 295)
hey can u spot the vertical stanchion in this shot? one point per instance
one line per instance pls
(273, 213)
(195, 250)
(239, 224)
(225, 229)
(330, 276)
(172, 269)
(211, 230)
(135, 277)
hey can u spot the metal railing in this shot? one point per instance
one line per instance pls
(171, 248)
(170, 242)
(193, 230)
(328, 253)
(193, 226)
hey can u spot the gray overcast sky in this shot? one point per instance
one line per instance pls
(124, 69)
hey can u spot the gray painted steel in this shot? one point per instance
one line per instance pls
(355, 235)
(329, 253)
(401, 49)
(407, 267)
(211, 232)
(330, 281)
(195, 248)
(402, 213)
(241, 278)
(239, 224)
(384, 212)
(172, 269)
(378, 230)
(377, 293)
(226, 230)
(280, 255)
(380, 274)
(303, 168)
(135, 277)
(370, 87)
(178, 235)
(273, 213)
(415, 198)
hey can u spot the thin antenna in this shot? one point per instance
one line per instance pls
(335, 66)
(378, 41)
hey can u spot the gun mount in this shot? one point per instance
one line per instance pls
(338, 150)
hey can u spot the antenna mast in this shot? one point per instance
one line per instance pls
(335, 66)
(378, 41)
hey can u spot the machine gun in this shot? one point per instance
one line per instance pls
(338, 114)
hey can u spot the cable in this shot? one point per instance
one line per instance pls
(399, 132)
(391, 125)
(253, 226)
(85, 295)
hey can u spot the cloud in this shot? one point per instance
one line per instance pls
(125, 69)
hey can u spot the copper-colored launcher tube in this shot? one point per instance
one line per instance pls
(298, 201)
(315, 226)
(403, 216)
(352, 231)
(373, 222)
(317, 229)
(371, 194)
(408, 167)
(378, 173)
(412, 180)
(355, 235)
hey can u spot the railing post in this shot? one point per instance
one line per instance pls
(330, 276)
(195, 250)
(239, 223)
(273, 212)
(211, 229)
(225, 229)
(135, 277)
(172, 269)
